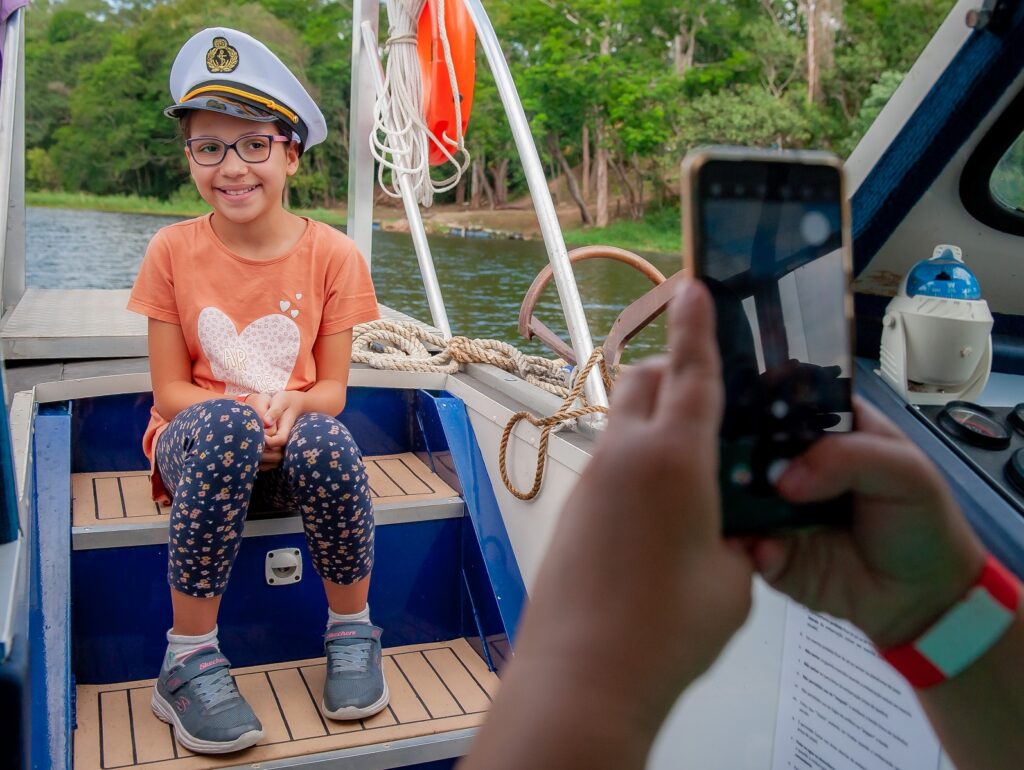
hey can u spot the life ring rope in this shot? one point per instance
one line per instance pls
(401, 140)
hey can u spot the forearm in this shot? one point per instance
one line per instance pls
(325, 397)
(978, 714)
(174, 397)
(542, 719)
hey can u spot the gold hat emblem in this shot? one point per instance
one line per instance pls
(222, 57)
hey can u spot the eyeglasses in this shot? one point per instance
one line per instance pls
(251, 148)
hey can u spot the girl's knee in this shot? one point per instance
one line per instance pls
(322, 429)
(223, 417)
(222, 427)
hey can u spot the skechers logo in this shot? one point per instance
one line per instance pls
(339, 634)
(181, 704)
(214, 662)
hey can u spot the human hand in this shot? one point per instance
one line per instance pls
(271, 456)
(638, 592)
(286, 406)
(909, 554)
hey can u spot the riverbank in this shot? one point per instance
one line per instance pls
(658, 232)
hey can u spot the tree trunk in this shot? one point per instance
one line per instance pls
(481, 176)
(474, 185)
(627, 188)
(570, 178)
(321, 165)
(812, 10)
(640, 208)
(460, 191)
(585, 144)
(500, 175)
(602, 175)
(602, 155)
(823, 18)
(684, 43)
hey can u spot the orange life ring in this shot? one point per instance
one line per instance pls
(438, 103)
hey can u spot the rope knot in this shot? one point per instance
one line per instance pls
(393, 39)
(463, 350)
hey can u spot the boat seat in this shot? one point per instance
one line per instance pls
(437, 690)
(115, 508)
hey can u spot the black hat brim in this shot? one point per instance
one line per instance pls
(234, 108)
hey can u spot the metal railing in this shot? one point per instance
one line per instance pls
(12, 162)
(361, 175)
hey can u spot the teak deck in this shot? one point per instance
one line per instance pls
(435, 688)
(118, 497)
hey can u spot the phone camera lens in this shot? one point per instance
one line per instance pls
(716, 189)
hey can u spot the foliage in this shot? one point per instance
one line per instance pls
(180, 204)
(648, 79)
(658, 231)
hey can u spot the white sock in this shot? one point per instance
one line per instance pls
(363, 616)
(180, 646)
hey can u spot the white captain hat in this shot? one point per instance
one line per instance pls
(227, 71)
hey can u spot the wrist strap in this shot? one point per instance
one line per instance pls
(965, 633)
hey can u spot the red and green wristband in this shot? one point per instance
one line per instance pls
(964, 633)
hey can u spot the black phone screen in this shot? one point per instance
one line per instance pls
(769, 245)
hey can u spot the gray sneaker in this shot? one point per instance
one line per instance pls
(199, 699)
(354, 686)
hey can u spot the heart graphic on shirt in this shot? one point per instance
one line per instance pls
(259, 360)
(298, 296)
(294, 313)
(284, 305)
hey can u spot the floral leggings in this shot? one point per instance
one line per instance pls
(209, 456)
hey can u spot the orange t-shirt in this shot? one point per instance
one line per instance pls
(249, 324)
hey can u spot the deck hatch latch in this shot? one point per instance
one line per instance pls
(283, 566)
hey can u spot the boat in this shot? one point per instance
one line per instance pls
(83, 599)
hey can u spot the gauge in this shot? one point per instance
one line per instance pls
(974, 424)
(1016, 418)
(1015, 470)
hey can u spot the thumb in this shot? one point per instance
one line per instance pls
(771, 557)
(271, 415)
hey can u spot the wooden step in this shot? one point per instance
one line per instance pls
(436, 689)
(119, 503)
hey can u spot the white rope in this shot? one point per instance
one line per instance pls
(401, 140)
(407, 347)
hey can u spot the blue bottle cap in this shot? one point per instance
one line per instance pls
(943, 276)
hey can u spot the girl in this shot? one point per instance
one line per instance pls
(251, 310)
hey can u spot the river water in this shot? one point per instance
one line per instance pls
(482, 280)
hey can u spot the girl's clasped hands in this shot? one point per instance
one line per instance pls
(279, 411)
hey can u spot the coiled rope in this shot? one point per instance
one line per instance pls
(400, 140)
(407, 347)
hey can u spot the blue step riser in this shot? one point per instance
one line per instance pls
(106, 431)
(121, 604)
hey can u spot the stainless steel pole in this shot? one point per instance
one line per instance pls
(360, 161)
(435, 301)
(565, 281)
(12, 163)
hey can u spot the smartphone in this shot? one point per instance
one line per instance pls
(769, 234)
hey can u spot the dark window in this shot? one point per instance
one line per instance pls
(1007, 181)
(992, 182)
